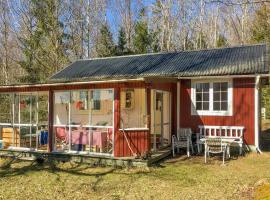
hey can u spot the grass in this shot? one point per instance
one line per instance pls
(179, 178)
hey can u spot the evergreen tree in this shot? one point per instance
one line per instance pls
(142, 39)
(122, 48)
(44, 48)
(105, 46)
(261, 25)
(122, 41)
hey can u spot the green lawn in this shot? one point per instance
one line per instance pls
(180, 178)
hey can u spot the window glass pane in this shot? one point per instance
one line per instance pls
(101, 105)
(224, 96)
(198, 96)
(205, 87)
(224, 86)
(199, 105)
(61, 108)
(216, 86)
(96, 99)
(6, 108)
(205, 105)
(43, 108)
(27, 108)
(216, 105)
(216, 96)
(199, 87)
(224, 105)
(134, 114)
(78, 108)
(206, 96)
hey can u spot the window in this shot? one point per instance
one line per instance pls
(96, 99)
(135, 115)
(83, 121)
(220, 98)
(202, 96)
(211, 98)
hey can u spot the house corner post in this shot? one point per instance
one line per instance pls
(257, 112)
(50, 124)
(117, 121)
(178, 104)
(148, 116)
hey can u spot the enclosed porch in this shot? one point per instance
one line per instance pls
(117, 119)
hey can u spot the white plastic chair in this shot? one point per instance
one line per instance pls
(182, 140)
(215, 146)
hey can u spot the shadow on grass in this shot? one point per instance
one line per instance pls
(265, 140)
(9, 168)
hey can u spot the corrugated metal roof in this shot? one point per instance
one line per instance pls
(242, 60)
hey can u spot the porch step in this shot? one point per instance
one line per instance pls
(159, 155)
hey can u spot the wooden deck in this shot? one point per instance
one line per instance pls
(94, 160)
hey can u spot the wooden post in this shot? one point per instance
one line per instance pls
(117, 122)
(148, 103)
(50, 129)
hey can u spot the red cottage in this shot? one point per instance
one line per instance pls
(132, 105)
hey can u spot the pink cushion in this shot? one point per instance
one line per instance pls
(79, 137)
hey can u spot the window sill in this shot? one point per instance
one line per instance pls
(211, 113)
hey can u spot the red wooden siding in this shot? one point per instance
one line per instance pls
(243, 109)
(138, 141)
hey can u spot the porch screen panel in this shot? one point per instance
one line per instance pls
(133, 108)
(79, 108)
(6, 131)
(6, 108)
(42, 121)
(27, 120)
(61, 120)
(61, 108)
(101, 107)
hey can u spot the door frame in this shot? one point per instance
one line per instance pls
(153, 109)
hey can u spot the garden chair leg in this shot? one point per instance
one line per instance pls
(188, 153)
(223, 158)
(240, 149)
(173, 149)
(205, 155)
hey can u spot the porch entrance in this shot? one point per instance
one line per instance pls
(161, 120)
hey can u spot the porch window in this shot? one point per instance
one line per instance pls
(133, 108)
(6, 108)
(96, 99)
(24, 121)
(83, 121)
(211, 98)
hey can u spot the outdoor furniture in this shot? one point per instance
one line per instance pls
(232, 134)
(182, 140)
(61, 137)
(98, 140)
(215, 146)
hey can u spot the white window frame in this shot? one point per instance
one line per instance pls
(211, 111)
